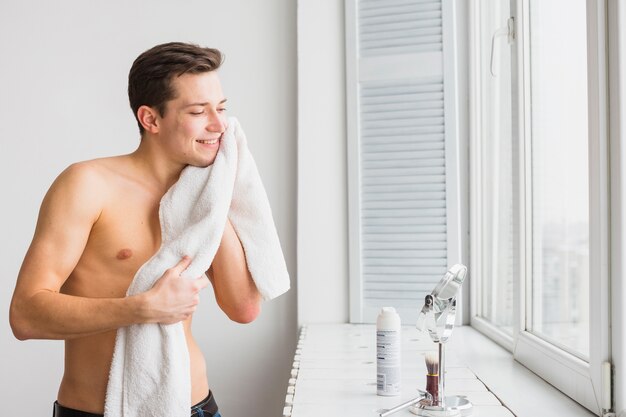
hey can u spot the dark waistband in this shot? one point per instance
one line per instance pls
(208, 406)
(204, 407)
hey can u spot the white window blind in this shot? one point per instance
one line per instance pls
(402, 153)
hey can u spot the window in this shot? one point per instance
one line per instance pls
(539, 181)
(495, 158)
(559, 171)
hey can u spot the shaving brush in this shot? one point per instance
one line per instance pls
(432, 375)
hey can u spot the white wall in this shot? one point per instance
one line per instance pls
(322, 170)
(63, 69)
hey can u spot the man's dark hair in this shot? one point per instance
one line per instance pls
(150, 77)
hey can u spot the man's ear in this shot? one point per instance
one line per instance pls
(149, 118)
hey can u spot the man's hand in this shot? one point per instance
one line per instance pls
(172, 298)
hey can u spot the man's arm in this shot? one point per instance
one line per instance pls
(235, 291)
(38, 309)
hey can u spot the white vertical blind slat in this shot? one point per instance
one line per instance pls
(399, 27)
(401, 118)
(389, 249)
(413, 108)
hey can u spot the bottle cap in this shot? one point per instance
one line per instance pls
(388, 317)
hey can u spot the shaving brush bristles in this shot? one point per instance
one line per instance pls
(432, 376)
(432, 363)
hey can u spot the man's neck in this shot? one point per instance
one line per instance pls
(160, 170)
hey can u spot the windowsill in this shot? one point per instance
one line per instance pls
(335, 371)
(519, 389)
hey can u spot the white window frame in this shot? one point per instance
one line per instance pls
(578, 379)
(475, 128)
(617, 118)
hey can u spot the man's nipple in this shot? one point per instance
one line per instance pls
(124, 254)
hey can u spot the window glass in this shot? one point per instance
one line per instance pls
(560, 170)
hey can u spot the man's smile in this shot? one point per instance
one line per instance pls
(208, 141)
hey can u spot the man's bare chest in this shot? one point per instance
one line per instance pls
(128, 232)
(124, 237)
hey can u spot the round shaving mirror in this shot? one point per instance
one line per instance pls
(439, 311)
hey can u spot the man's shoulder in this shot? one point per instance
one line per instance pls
(91, 179)
(81, 191)
(93, 172)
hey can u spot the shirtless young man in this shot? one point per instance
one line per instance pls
(99, 223)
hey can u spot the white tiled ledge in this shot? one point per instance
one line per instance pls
(334, 374)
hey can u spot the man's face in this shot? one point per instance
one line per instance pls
(195, 120)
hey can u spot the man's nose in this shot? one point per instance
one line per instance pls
(215, 123)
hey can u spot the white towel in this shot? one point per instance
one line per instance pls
(150, 373)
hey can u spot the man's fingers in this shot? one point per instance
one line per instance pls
(182, 265)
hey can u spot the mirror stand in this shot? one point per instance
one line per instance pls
(438, 316)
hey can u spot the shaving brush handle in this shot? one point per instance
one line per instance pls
(432, 387)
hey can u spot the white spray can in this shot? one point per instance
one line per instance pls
(388, 341)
